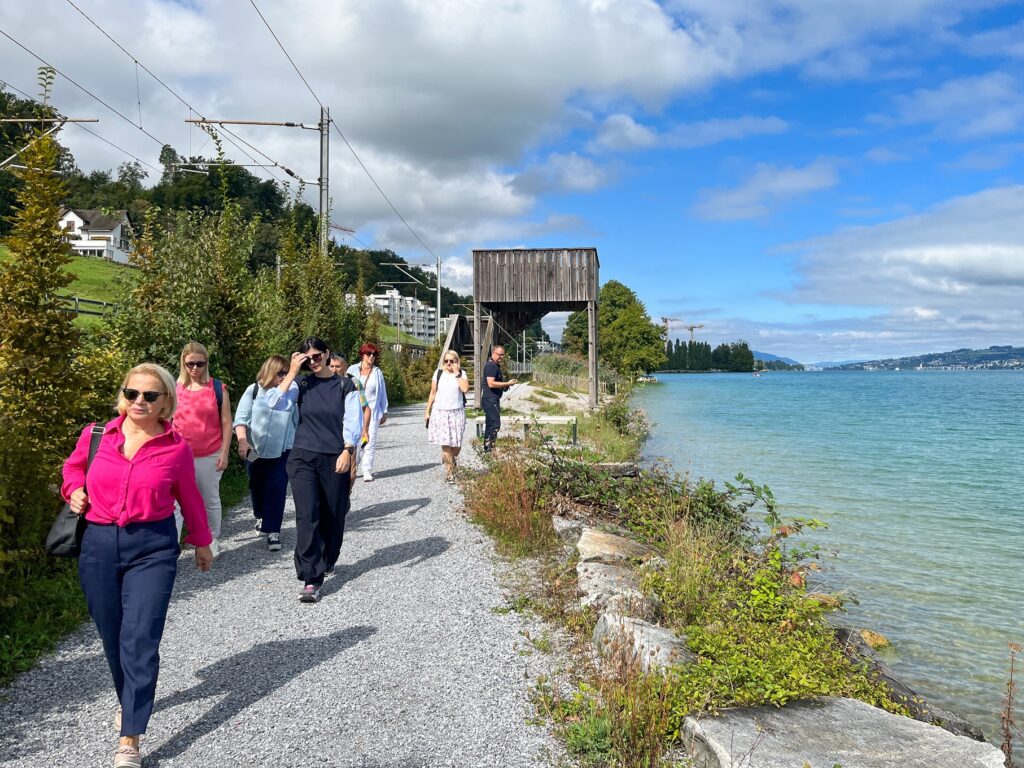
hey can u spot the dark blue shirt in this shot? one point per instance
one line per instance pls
(492, 370)
(322, 413)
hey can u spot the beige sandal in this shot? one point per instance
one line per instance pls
(127, 756)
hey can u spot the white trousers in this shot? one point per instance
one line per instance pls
(366, 465)
(208, 480)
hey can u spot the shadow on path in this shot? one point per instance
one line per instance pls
(411, 553)
(406, 470)
(234, 687)
(360, 518)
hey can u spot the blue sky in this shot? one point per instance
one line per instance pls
(826, 180)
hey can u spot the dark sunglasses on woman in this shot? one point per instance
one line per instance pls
(317, 357)
(131, 395)
(196, 364)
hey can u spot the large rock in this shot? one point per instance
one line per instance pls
(645, 643)
(856, 647)
(608, 587)
(568, 530)
(824, 733)
(602, 547)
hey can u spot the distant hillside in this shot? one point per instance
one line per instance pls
(766, 356)
(1005, 357)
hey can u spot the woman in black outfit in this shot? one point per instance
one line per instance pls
(318, 466)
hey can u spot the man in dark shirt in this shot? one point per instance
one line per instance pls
(490, 399)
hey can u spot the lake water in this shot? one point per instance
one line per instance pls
(920, 478)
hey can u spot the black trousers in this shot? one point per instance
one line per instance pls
(492, 416)
(321, 504)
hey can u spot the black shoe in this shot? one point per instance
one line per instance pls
(329, 570)
(310, 594)
(274, 542)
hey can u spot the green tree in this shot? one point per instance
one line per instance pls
(39, 383)
(720, 357)
(741, 358)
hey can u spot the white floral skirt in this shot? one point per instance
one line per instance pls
(447, 427)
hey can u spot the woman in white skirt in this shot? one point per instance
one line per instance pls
(446, 411)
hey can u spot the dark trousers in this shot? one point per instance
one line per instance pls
(321, 504)
(492, 416)
(127, 575)
(268, 484)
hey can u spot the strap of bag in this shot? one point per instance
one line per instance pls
(94, 446)
(218, 391)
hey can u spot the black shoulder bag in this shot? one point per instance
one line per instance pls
(65, 536)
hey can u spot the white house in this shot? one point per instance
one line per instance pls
(91, 232)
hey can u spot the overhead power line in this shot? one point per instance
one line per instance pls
(82, 88)
(84, 128)
(341, 133)
(231, 135)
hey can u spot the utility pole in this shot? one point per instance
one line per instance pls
(324, 128)
(325, 143)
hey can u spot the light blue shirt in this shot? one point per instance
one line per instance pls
(271, 430)
(285, 402)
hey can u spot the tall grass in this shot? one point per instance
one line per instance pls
(506, 502)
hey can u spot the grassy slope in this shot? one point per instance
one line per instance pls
(95, 278)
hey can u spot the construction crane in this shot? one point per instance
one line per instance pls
(690, 328)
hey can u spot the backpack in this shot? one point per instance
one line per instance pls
(218, 391)
(437, 380)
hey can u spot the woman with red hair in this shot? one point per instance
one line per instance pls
(369, 374)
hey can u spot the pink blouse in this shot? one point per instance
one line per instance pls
(198, 419)
(142, 489)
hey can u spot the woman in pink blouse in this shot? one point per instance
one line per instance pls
(204, 420)
(130, 547)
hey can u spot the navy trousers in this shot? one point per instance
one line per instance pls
(492, 419)
(321, 505)
(268, 485)
(127, 575)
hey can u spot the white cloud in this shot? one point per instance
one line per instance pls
(884, 156)
(561, 173)
(1005, 41)
(966, 108)
(769, 186)
(621, 132)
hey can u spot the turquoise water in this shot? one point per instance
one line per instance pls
(920, 478)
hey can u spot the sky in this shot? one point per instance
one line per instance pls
(828, 180)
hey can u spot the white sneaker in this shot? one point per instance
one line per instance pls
(367, 477)
(215, 548)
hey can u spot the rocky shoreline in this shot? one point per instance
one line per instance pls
(826, 732)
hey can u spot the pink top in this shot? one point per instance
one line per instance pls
(140, 490)
(198, 420)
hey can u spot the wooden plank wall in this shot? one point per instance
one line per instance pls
(534, 275)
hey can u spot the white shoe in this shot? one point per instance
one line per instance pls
(367, 477)
(215, 548)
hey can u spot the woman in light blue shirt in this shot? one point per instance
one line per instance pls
(265, 438)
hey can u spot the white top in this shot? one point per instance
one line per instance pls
(449, 396)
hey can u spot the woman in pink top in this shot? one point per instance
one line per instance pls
(130, 547)
(206, 426)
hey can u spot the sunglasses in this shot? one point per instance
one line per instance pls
(317, 357)
(282, 373)
(196, 364)
(131, 395)
(451, 361)
(369, 354)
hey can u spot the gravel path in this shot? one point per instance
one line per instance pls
(403, 663)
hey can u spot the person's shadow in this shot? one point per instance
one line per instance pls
(233, 687)
(366, 516)
(409, 553)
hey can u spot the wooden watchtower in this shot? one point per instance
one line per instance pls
(520, 285)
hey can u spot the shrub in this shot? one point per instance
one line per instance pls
(505, 501)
